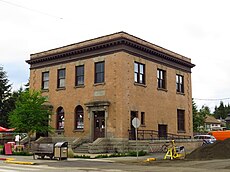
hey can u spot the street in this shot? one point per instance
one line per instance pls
(120, 164)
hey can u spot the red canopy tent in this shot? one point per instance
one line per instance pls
(2, 129)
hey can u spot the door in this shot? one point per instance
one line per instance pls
(99, 124)
(132, 116)
(162, 131)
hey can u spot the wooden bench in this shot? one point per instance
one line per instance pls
(43, 149)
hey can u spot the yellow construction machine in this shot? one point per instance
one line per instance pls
(175, 152)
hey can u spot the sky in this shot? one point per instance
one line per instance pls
(197, 29)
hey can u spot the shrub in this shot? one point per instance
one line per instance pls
(23, 153)
(132, 153)
(82, 156)
(102, 156)
(140, 153)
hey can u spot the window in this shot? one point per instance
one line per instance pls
(79, 75)
(142, 118)
(179, 83)
(180, 120)
(45, 80)
(79, 123)
(60, 118)
(139, 73)
(161, 76)
(99, 72)
(61, 78)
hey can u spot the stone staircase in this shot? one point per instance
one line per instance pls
(83, 148)
(71, 140)
(115, 145)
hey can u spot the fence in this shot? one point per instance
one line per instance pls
(154, 135)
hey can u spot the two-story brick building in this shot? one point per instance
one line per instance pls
(98, 86)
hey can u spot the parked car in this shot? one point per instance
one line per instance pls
(206, 138)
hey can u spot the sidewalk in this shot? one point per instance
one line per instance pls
(28, 160)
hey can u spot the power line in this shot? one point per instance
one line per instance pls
(214, 99)
(30, 9)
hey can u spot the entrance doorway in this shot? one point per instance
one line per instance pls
(99, 124)
(134, 114)
(162, 131)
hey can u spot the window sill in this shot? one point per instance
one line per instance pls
(60, 131)
(180, 93)
(181, 131)
(162, 89)
(96, 84)
(79, 86)
(59, 89)
(45, 90)
(78, 130)
(139, 84)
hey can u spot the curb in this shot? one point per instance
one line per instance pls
(19, 162)
(7, 159)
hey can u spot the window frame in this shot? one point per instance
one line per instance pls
(142, 118)
(99, 76)
(60, 118)
(79, 111)
(179, 83)
(161, 79)
(81, 75)
(180, 120)
(45, 80)
(139, 76)
(60, 78)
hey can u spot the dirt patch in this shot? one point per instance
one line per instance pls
(217, 150)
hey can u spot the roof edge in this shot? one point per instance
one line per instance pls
(106, 38)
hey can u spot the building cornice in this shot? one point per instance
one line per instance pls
(100, 46)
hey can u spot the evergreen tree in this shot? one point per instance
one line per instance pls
(196, 121)
(221, 111)
(199, 116)
(27, 86)
(5, 102)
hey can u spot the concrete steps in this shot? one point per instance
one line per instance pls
(84, 148)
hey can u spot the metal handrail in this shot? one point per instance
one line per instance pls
(153, 135)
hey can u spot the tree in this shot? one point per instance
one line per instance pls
(196, 120)
(30, 114)
(203, 112)
(221, 111)
(5, 103)
(199, 116)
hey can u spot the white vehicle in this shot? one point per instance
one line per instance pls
(206, 138)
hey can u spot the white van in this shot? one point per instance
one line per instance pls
(207, 138)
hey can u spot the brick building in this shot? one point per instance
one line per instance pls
(98, 86)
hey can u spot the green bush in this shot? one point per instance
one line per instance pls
(102, 156)
(132, 153)
(117, 155)
(23, 153)
(82, 156)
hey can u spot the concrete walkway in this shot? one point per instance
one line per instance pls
(28, 160)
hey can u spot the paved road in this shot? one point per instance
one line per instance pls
(44, 168)
(117, 165)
